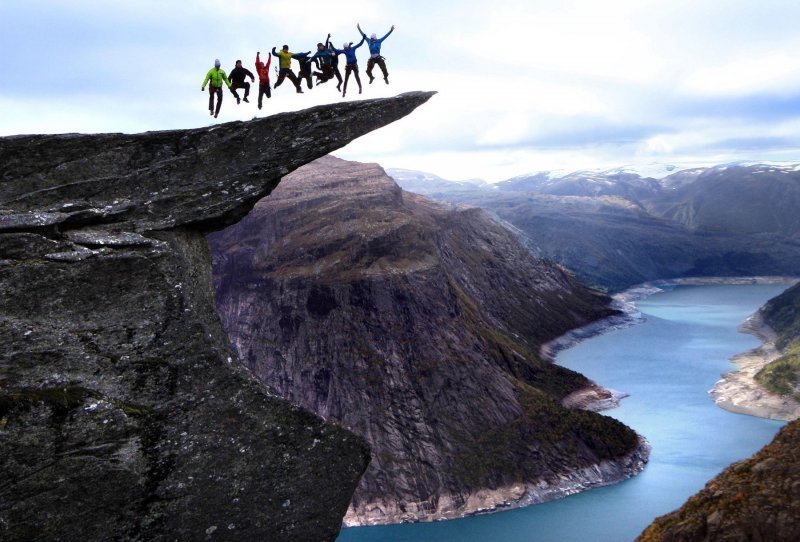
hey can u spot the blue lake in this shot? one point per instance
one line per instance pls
(667, 364)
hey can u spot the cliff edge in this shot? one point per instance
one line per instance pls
(124, 413)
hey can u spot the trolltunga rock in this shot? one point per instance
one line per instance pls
(124, 413)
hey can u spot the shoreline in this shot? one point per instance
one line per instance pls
(737, 391)
(594, 397)
(519, 495)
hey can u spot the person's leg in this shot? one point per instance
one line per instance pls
(358, 79)
(261, 92)
(293, 78)
(308, 81)
(347, 70)
(370, 65)
(234, 86)
(281, 77)
(338, 75)
(269, 92)
(382, 66)
(219, 101)
(210, 99)
(246, 91)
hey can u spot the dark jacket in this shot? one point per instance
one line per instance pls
(238, 75)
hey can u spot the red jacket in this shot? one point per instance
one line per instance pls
(263, 71)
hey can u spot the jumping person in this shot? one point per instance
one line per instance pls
(263, 78)
(237, 77)
(215, 77)
(349, 51)
(286, 68)
(334, 62)
(305, 68)
(322, 58)
(375, 57)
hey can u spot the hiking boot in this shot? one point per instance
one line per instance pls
(246, 100)
(386, 79)
(371, 79)
(299, 90)
(215, 115)
(259, 106)
(238, 100)
(339, 87)
(359, 90)
(210, 112)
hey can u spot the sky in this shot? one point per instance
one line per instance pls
(522, 86)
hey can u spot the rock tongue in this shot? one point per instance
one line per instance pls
(207, 178)
(124, 413)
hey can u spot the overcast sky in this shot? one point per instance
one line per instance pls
(523, 85)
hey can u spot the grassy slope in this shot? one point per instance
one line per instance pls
(782, 314)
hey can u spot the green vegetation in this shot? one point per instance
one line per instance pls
(782, 376)
(782, 314)
(546, 439)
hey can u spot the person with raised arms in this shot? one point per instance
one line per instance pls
(263, 78)
(349, 51)
(285, 71)
(375, 57)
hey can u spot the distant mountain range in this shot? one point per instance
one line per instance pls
(616, 228)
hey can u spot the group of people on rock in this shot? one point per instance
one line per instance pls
(325, 62)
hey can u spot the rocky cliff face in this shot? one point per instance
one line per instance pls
(124, 413)
(416, 325)
(755, 499)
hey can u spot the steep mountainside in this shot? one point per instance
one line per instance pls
(417, 326)
(124, 413)
(756, 499)
(618, 230)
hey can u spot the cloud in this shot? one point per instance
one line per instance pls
(521, 84)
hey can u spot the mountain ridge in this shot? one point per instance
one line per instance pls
(426, 322)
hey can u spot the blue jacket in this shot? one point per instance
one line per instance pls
(375, 46)
(350, 52)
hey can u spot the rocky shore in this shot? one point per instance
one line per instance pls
(738, 391)
(509, 497)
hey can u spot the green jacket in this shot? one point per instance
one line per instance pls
(216, 76)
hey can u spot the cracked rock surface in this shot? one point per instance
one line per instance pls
(124, 412)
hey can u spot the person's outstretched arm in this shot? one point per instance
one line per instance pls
(208, 76)
(387, 34)
(250, 74)
(360, 43)
(358, 25)
(275, 53)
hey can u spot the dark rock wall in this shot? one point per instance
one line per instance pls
(124, 413)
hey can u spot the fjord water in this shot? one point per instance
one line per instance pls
(667, 364)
